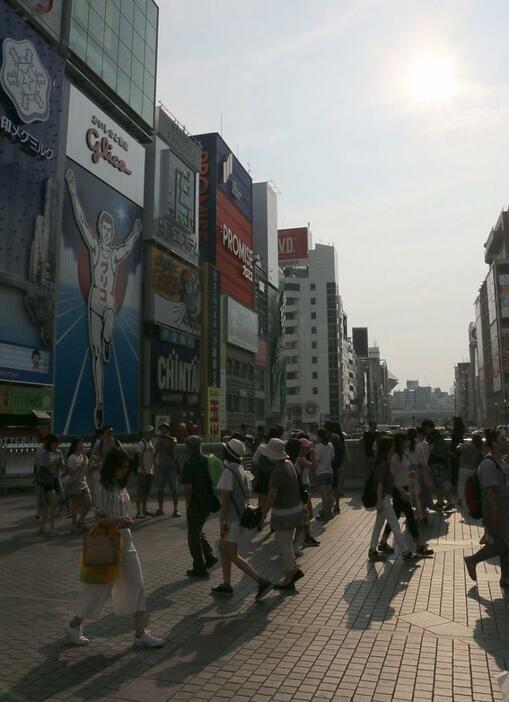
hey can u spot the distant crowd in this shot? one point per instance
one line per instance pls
(408, 474)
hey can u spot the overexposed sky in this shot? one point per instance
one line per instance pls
(383, 124)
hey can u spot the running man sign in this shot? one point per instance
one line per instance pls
(99, 294)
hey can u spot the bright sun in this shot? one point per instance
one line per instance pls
(432, 78)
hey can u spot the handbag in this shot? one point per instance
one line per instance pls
(102, 546)
(250, 517)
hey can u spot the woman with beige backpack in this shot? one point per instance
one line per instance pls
(123, 580)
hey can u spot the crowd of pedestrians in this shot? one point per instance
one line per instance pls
(410, 473)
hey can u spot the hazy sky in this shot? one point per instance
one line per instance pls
(384, 124)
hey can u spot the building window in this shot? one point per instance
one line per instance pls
(292, 376)
(315, 391)
(313, 301)
(291, 315)
(290, 330)
(313, 315)
(312, 287)
(291, 301)
(314, 359)
(314, 345)
(313, 330)
(315, 375)
(292, 286)
(292, 391)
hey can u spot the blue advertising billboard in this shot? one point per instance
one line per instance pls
(31, 77)
(98, 313)
(99, 293)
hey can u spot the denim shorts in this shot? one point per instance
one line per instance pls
(325, 479)
(166, 475)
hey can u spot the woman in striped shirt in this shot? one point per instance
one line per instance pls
(113, 506)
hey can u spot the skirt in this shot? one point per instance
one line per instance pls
(127, 592)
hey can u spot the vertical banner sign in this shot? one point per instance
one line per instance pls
(211, 349)
(99, 294)
(31, 77)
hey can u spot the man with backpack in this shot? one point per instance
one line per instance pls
(493, 475)
(200, 502)
(145, 465)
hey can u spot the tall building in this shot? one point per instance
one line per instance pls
(375, 380)
(416, 402)
(313, 329)
(463, 392)
(492, 329)
(269, 371)
(173, 303)
(226, 242)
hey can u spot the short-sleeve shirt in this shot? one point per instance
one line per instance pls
(165, 452)
(145, 451)
(78, 477)
(284, 479)
(112, 503)
(494, 474)
(324, 456)
(196, 474)
(400, 468)
(238, 486)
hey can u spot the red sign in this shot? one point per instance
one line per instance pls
(234, 255)
(292, 243)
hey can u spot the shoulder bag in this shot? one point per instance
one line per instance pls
(250, 517)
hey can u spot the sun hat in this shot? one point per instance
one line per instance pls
(235, 447)
(163, 424)
(274, 450)
(148, 429)
(306, 443)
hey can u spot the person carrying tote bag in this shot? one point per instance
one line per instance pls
(104, 550)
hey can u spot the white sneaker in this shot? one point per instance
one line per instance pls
(75, 635)
(148, 641)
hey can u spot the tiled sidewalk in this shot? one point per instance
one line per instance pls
(355, 631)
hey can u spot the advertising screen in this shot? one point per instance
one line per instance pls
(208, 203)
(175, 375)
(242, 326)
(29, 197)
(234, 254)
(22, 399)
(293, 244)
(177, 292)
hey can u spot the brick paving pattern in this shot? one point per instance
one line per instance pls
(354, 631)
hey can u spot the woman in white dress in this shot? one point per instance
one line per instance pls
(113, 507)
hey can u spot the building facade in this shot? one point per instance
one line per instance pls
(313, 329)
(172, 297)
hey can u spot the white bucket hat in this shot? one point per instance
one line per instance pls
(275, 450)
(236, 447)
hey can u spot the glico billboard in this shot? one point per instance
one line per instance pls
(225, 217)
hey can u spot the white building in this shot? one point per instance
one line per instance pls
(313, 329)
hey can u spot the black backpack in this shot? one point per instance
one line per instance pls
(473, 492)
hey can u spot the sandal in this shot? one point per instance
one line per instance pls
(385, 548)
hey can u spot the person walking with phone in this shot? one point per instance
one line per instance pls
(113, 507)
(233, 487)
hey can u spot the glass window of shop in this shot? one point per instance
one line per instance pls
(117, 39)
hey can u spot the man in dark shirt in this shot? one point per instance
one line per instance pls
(198, 494)
(369, 440)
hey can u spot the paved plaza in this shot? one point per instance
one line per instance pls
(352, 632)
